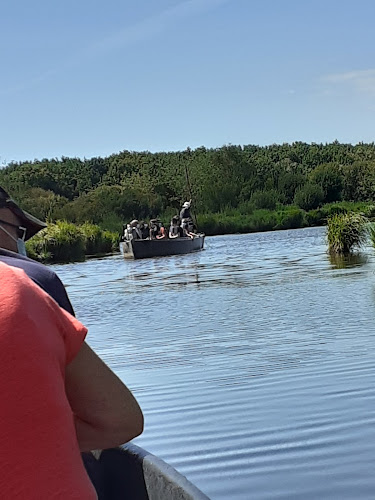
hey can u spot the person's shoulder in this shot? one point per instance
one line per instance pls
(14, 281)
(42, 275)
(26, 264)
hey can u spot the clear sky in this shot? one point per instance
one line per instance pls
(91, 78)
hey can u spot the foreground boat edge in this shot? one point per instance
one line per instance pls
(130, 471)
(162, 480)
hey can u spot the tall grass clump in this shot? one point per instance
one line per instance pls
(60, 242)
(98, 241)
(372, 234)
(67, 242)
(345, 232)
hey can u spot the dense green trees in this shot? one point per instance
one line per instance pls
(232, 181)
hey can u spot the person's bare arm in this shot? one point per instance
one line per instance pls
(106, 412)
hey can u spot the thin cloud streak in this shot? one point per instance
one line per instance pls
(130, 35)
(156, 24)
(362, 81)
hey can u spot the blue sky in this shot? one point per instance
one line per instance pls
(91, 78)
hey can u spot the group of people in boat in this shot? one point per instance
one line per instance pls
(181, 226)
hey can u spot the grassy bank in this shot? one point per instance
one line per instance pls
(284, 217)
(66, 242)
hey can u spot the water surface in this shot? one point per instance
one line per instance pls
(253, 361)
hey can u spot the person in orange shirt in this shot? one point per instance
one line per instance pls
(57, 397)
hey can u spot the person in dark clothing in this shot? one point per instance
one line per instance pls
(145, 231)
(44, 277)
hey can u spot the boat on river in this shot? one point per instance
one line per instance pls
(143, 248)
(130, 472)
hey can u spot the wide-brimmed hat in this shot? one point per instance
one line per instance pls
(31, 223)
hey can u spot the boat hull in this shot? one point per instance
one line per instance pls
(142, 249)
(130, 472)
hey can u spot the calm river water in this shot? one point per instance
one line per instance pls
(253, 361)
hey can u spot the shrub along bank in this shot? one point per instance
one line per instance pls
(283, 217)
(66, 242)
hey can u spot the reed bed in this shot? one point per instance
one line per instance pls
(67, 242)
(346, 232)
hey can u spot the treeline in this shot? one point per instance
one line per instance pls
(233, 183)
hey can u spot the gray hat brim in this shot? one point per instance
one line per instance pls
(28, 221)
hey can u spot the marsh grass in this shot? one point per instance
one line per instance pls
(371, 231)
(67, 242)
(346, 232)
(63, 241)
(98, 241)
(256, 221)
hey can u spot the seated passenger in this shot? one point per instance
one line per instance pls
(135, 231)
(144, 229)
(188, 232)
(157, 230)
(175, 230)
(127, 232)
(162, 233)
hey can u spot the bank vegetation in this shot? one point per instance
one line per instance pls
(234, 188)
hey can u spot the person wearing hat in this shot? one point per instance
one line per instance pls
(16, 227)
(185, 214)
(19, 225)
(136, 232)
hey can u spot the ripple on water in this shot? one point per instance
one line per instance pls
(252, 360)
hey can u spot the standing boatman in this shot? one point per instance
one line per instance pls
(185, 214)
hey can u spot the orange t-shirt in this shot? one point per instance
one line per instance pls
(39, 452)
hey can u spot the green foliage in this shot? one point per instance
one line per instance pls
(346, 232)
(309, 196)
(359, 181)
(372, 234)
(66, 242)
(289, 183)
(61, 242)
(369, 211)
(265, 199)
(329, 177)
(43, 204)
(291, 218)
(98, 241)
(234, 188)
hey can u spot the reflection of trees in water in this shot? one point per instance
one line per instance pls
(347, 261)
